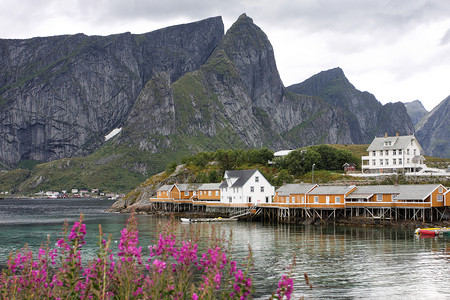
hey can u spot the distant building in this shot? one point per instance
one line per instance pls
(393, 154)
(245, 186)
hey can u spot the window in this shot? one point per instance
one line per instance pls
(262, 189)
(327, 199)
(374, 153)
(303, 199)
(256, 178)
(387, 161)
(399, 161)
(394, 152)
(440, 190)
(209, 193)
(399, 151)
(201, 193)
(337, 199)
(381, 162)
(394, 197)
(316, 199)
(415, 151)
(394, 161)
(217, 193)
(440, 198)
(407, 151)
(387, 152)
(379, 197)
(381, 153)
(374, 162)
(252, 189)
(186, 193)
(292, 199)
(234, 190)
(230, 199)
(407, 160)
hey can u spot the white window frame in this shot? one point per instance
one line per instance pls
(262, 189)
(440, 198)
(337, 199)
(252, 189)
(379, 197)
(316, 199)
(256, 178)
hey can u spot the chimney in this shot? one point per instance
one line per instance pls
(397, 134)
(385, 135)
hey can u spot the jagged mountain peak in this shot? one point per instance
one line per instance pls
(433, 131)
(416, 111)
(250, 50)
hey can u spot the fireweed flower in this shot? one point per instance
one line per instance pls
(107, 278)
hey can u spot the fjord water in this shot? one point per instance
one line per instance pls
(342, 262)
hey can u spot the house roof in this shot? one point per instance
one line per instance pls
(242, 177)
(332, 190)
(359, 196)
(295, 188)
(397, 142)
(165, 187)
(282, 153)
(188, 186)
(209, 186)
(403, 192)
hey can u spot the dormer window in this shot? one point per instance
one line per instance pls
(387, 143)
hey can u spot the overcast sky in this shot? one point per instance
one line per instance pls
(397, 50)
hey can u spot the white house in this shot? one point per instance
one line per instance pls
(393, 154)
(245, 186)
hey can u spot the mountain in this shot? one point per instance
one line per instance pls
(365, 115)
(433, 132)
(174, 92)
(235, 100)
(59, 96)
(416, 111)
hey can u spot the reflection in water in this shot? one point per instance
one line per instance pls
(342, 262)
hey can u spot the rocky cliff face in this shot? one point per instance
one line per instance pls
(236, 99)
(433, 132)
(60, 95)
(416, 111)
(365, 115)
(174, 91)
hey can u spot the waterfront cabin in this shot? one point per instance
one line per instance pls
(163, 191)
(393, 154)
(293, 193)
(406, 196)
(447, 197)
(248, 187)
(328, 197)
(208, 192)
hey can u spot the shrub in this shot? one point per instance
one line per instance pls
(173, 270)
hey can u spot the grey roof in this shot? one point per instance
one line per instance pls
(397, 142)
(165, 187)
(242, 175)
(354, 195)
(209, 186)
(294, 188)
(188, 186)
(332, 190)
(404, 192)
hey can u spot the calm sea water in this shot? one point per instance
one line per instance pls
(342, 262)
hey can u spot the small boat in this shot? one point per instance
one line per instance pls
(219, 219)
(433, 231)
